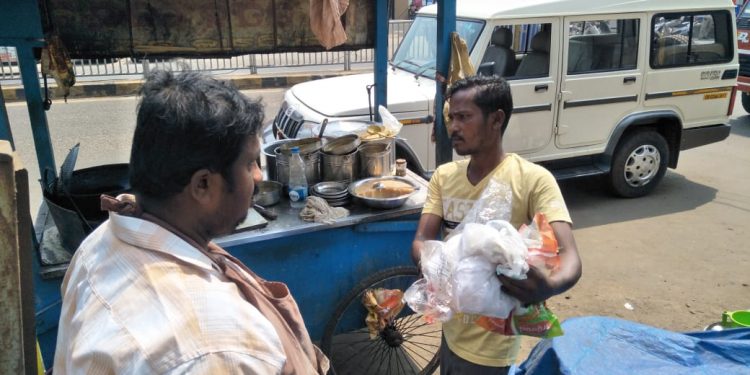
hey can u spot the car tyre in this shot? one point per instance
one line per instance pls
(746, 102)
(639, 164)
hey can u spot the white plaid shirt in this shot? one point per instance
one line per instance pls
(137, 299)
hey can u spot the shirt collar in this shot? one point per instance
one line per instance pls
(148, 235)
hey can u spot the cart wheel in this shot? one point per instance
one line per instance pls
(408, 346)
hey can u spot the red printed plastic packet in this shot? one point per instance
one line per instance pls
(541, 241)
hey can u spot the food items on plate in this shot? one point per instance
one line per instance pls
(385, 189)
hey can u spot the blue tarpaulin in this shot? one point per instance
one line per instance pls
(601, 345)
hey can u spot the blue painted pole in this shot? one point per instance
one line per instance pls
(5, 132)
(39, 128)
(446, 23)
(381, 56)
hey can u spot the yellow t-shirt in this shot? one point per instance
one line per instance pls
(530, 189)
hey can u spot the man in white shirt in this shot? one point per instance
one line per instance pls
(144, 293)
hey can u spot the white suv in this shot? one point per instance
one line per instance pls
(599, 87)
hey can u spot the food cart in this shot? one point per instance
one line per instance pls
(326, 266)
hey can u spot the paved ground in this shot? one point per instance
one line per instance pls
(679, 257)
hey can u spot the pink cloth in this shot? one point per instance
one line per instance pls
(325, 21)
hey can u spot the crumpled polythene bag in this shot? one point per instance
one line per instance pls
(431, 295)
(499, 244)
(477, 289)
(461, 274)
(485, 250)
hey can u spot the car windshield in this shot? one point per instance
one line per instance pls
(418, 50)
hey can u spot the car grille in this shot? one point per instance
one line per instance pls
(287, 122)
(745, 65)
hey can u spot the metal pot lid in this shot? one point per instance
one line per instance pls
(306, 146)
(342, 145)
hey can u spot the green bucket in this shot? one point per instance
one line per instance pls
(735, 319)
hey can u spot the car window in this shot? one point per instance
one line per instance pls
(602, 45)
(518, 51)
(683, 39)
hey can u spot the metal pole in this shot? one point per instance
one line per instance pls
(253, 65)
(39, 128)
(5, 132)
(381, 56)
(446, 23)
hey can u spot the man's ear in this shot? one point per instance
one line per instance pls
(201, 186)
(499, 119)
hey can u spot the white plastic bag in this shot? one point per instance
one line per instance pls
(499, 244)
(431, 295)
(477, 289)
(460, 275)
(484, 251)
(390, 121)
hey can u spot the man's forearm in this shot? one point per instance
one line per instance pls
(569, 272)
(416, 250)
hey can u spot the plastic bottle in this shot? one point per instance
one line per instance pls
(297, 180)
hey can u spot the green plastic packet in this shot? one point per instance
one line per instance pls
(536, 320)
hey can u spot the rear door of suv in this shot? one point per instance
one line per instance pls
(602, 76)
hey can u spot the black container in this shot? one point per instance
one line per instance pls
(77, 212)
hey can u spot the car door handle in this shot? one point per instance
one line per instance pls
(627, 80)
(541, 88)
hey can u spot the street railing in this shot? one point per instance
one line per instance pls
(246, 63)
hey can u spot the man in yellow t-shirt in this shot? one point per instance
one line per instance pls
(480, 108)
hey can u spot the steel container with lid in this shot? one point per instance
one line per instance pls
(312, 167)
(340, 167)
(376, 159)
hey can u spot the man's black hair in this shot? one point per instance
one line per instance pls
(492, 93)
(186, 122)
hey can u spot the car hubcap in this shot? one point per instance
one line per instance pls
(642, 165)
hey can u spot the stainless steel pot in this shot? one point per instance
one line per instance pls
(375, 160)
(312, 167)
(270, 156)
(340, 167)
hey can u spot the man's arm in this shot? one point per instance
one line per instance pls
(538, 286)
(428, 229)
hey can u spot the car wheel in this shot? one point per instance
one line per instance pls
(746, 102)
(639, 163)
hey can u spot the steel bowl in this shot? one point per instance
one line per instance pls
(373, 182)
(267, 193)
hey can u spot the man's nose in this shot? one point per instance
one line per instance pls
(257, 173)
(453, 126)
